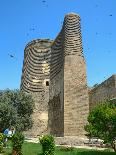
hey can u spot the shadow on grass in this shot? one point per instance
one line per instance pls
(74, 151)
(95, 152)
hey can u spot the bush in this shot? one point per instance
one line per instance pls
(102, 123)
(17, 142)
(1, 142)
(48, 144)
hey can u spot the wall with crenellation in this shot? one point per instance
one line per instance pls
(102, 92)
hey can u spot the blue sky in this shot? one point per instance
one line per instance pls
(21, 21)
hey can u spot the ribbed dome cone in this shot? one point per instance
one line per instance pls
(72, 34)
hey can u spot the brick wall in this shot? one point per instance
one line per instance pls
(104, 91)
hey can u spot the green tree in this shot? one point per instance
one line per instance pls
(8, 115)
(16, 108)
(102, 123)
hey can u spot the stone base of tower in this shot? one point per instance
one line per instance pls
(39, 117)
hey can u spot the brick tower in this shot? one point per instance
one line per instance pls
(35, 80)
(68, 105)
(55, 74)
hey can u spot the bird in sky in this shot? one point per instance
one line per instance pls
(43, 1)
(27, 34)
(96, 5)
(110, 33)
(32, 29)
(96, 33)
(11, 55)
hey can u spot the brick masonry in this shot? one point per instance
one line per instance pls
(68, 105)
(35, 80)
(61, 108)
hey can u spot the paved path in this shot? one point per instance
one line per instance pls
(36, 140)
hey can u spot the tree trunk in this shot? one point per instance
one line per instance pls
(14, 152)
(114, 145)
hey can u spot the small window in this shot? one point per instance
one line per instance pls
(47, 83)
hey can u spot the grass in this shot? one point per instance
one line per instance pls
(35, 149)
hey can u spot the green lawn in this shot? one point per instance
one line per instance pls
(35, 149)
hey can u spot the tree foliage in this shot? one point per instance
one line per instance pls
(102, 122)
(16, 108)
